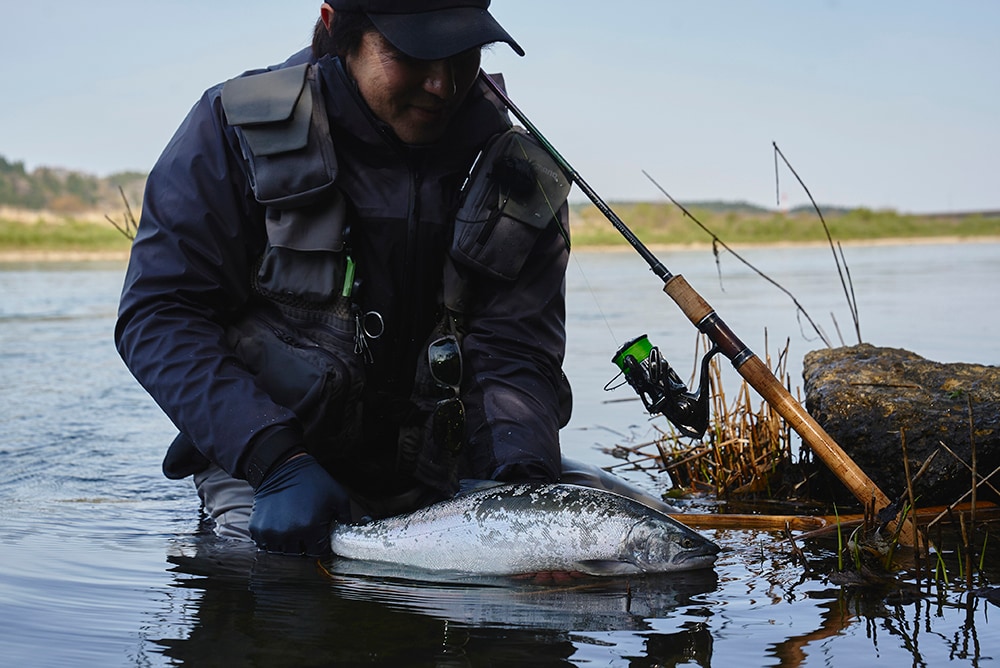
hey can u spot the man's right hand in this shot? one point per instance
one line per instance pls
(295, 507)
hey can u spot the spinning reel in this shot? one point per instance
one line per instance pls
(661, 389)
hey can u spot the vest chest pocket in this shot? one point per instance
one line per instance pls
(514, 192)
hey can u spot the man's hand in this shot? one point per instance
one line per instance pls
(295, 506)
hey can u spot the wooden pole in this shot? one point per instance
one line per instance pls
(813, 524)
(759, 377)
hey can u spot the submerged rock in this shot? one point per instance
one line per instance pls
(867, 398)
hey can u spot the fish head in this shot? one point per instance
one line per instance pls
(662, 544)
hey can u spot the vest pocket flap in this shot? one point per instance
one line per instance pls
(317, 227)
(515, 190)
(267, 97)
(292, 162)
(518, 178)
(539, 205)
(300, 278)
(280, 137)
(272, 109)
(304, 260)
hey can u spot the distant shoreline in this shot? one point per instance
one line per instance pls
(37, 237)
(888, 241)
(53, 256)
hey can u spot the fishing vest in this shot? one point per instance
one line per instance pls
(304, 336)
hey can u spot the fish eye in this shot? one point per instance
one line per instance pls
(687, 542)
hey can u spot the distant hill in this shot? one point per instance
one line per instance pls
(68, 193)
(64, 191)
(61, 208)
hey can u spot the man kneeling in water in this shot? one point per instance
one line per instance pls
(339, 313)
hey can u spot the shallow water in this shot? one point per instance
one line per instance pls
(102, 562)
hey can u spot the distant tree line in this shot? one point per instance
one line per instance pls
(65, 191)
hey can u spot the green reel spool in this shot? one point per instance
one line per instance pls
(639, 348)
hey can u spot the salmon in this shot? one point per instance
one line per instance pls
(524, 528)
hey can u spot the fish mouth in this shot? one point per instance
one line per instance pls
(692, 561)
(688, 561)
(704, 557)
(604, 567)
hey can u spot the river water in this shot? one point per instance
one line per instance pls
(103, 561)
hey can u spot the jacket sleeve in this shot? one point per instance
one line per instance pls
(514, 346)
(199, 234)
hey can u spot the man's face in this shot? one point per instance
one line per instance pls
(416, 98)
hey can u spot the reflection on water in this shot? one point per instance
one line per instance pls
(344, 612)
(102, 562)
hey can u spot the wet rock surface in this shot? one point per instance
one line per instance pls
(868, 398)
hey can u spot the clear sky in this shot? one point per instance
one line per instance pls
(876, 103)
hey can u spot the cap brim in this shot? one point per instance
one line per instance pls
(443, 33)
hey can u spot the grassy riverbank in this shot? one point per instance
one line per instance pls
(40, 235)
(37, 235)
(657, 224)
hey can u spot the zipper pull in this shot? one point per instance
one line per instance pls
(367, 326)
(360, 340)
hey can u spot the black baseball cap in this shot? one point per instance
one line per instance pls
(432, 29)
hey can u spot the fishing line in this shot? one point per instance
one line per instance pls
(800, 310)
(516, 175)
(597, 303)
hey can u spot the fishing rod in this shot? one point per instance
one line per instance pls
(660, 388)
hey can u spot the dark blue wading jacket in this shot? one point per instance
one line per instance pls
(202, 232)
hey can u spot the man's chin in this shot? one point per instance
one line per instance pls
(422, 127)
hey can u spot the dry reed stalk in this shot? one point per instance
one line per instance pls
(743, 449)
(917, 553)
(972, 514)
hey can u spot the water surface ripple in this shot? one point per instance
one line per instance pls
(103, 563)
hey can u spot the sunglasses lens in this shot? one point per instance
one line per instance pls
(448, 425)
(445, 360)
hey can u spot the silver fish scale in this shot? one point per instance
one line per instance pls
(505, 530)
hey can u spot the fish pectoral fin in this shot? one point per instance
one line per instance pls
(607, 567)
